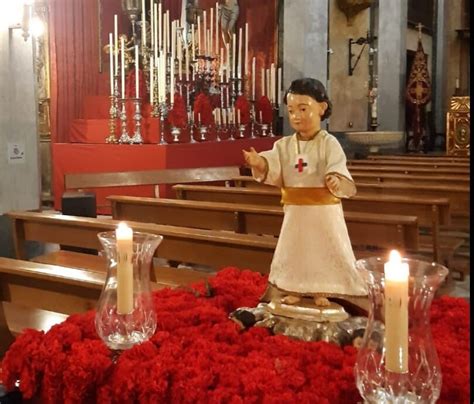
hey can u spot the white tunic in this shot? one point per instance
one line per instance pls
(314, 254)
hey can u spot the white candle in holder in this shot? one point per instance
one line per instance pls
(204, 22)
(246, 49)
(143, 25)
(111, 62)
(155, 30)
(217, 27)
(160, 27)
(279, 86)
(192, 42)
(263, 81)
(239, 56)
(211, 23)
(116, 44)
(122, 66)
(152, 25)
(233, 54)
(199, 36)
(152, 81)
(396, 314)
(137, 73)
(124, 237)
(238, 116)
(253, 78)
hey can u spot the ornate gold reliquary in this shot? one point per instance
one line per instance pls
(458, 119)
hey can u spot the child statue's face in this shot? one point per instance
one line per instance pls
(305, 113)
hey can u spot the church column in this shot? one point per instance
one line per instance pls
(305, 42)
(391, 64)
(440, 69)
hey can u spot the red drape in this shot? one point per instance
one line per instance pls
(74, 43)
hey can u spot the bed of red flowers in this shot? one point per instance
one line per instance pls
(198, 355)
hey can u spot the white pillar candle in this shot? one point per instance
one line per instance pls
(192, 42)
(186, 63)
(261, 116)
(224, 117)
(173, 41)
(168, 44)
(124, 237)
(272, 82)
(160, 27)
(122, 66)
(199, 118)
(238, 116)
(211, 23)
(155, 30)
(253, 78)
(152, 81)
(204, 23)
(239, 56)
(396, 314)
(268, 89)
(152, 25)
(233, 55)
(217, 27)
(246, 48)
(228, 65)
(137, 73)
(199, 35)
(143, 25)
(263, 81)
(116, 44)
(457, 83)
(111, 62)
(279, 86)
(172, 81)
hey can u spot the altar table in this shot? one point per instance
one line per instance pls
(68, 158)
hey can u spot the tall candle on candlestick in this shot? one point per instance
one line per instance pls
(172, 81)
(253, 78)
(246, 49)
(272, 82)
(228, 66)
(279, 86)
(124, 237)
(192, 42)
(199, 35)
(217, 28)
(263, 81)
(204, 20)
(143, 25)
(152, 25)
(239, 56)
(137, 73)
(211, 23)
(233, 54)
(122, 65)
(155, 30)
(152, 81)
(111, 62)
(396, 314)
(116, 44)
(186, 57)
(160, 27)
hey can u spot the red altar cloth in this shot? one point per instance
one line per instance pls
(95, 158)
(198, 355)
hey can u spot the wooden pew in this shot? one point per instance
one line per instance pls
(431, 212)
(86, 181)
(37, 295)
(365, 229)
(205, 247)
(429, 158)
(375, 178)
(410, 164)
(396, 169)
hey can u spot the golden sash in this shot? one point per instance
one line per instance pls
(308, 196)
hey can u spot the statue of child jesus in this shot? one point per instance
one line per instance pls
(313, 256)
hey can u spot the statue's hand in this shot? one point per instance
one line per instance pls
(253, 159)
(333, 183)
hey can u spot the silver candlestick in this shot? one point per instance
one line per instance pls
(163, 111)
(137, 117)
(124, 138)
(175, 131)
(203, 130)
(241, 131)
(112, 121)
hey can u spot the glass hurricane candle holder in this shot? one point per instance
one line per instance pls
(387, 369)
(121, 331)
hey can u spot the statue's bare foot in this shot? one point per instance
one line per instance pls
(321, 302)
(290, 299)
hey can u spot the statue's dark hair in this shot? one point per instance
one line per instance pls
(314, 89)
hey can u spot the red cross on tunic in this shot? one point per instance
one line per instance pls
(301, 163)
